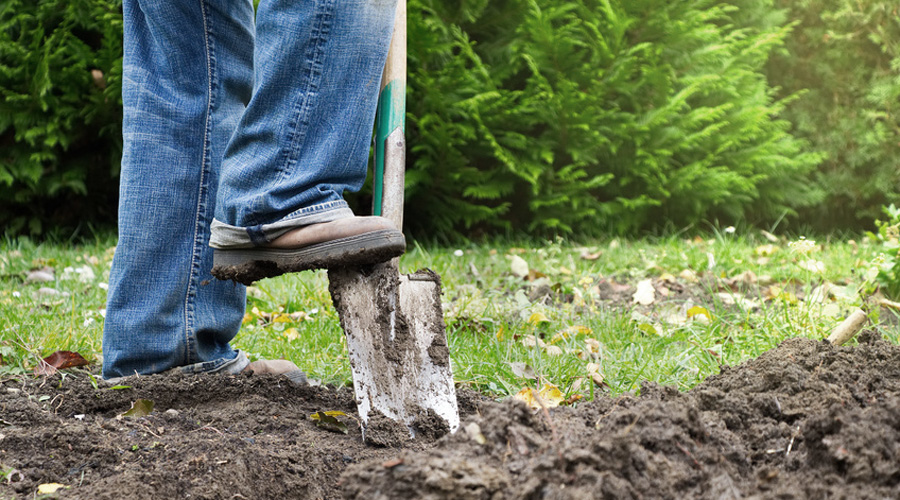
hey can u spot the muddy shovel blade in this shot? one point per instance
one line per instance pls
(397, 343)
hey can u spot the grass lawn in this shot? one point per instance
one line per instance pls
(602, 316)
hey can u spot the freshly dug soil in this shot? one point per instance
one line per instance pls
(804, 420)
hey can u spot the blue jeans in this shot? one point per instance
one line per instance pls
(235, 131)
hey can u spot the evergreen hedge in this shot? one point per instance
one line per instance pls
(60, 112)
(596, 115)
(575, 117)
(847, 54)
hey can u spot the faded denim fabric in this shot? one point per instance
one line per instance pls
(259, 123)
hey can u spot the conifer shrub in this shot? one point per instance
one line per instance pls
(597, 115)
(846, 54)
(583, 116)
(60, 110)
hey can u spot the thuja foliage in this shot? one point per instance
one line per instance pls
(847, 53)
(592, 115)
(538, 115)
(60, 69)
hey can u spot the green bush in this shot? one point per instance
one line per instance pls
(60, 112)
(847, 53)
(537, 115)
(593, 115)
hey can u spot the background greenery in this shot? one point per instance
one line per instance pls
(846, 55)
(585, 116)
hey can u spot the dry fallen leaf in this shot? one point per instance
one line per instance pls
(699, 313)
(812, 265)
(291, 334)
(645, 293)
(140, 408)
(667, 278)
(538, 318)
(689, 276)
(518, 266)
(748, 277)
(326, 420)
(59, 360)
(586, 255)
(49, 488)
(548, 397)
(553, 350)
(523, 370)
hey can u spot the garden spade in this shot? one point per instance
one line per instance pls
(394, 323)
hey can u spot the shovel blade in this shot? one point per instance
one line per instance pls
(397, 343)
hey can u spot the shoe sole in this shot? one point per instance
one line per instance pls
(248, 265)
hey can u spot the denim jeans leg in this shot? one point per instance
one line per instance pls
(304, 138)
(187, 76)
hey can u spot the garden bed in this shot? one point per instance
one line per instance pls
(804, 420)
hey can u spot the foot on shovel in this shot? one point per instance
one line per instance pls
(345, 242)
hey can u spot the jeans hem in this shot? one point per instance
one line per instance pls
(226, 236)
(222, 365)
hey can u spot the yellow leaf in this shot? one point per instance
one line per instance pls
(500, 334)
(281, 318)
(667, 277)
(568, 332)
(565, 270)
(593, 345)
(587, 280)
(291, 334)
(247, 318)
(538, 318)
(527, 396)
(697, 310)
(315, 416)
(49, 488)
(551, 395)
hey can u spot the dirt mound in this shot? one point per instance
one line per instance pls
(805, 420)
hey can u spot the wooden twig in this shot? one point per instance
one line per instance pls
(849, 328)
(890, 304)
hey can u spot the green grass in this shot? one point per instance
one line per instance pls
(492, 321)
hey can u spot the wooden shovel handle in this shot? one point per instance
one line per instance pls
(390, 141)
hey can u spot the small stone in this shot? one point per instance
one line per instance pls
(39, 276)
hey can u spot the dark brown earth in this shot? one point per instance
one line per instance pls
(805, 420)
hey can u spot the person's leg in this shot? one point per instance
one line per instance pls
(187, 75)
(304, 138)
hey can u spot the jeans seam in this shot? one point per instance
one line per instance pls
(191, 292)
(316, 55)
